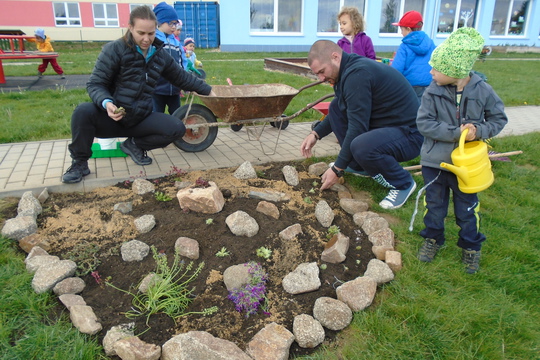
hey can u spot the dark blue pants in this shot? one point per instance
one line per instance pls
(172, 102)
(466, 208)
(379, 151)
(88, 121)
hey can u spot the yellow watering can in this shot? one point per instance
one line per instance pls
(471, 165)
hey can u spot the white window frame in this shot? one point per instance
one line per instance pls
(509, 20)
(109, 21)
(69, 19)
(457, 16)
(397, 34)
(275, 31)
(338, 33)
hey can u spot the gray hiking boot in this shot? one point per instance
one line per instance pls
(471, 258)
(428, 250)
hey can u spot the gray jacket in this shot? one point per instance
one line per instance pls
(439, 118)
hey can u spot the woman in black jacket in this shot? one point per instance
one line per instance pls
(121, 88)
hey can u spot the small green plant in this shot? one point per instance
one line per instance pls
(171, 294)
(308, 200)
(332, 230)
(263, 252)
(84, 254)
(209, 221)
(223, 252)
(323, 266)
(312, 191)
(261, 174)
(161, 196)
(315, 183)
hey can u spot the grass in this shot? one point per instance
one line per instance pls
(46, 115)
(430, 311)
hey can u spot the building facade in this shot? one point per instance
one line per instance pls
(287, 25)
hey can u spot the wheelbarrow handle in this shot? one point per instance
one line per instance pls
(310, 85)
(307, 107)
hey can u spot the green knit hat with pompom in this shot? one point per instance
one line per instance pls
(456, 56)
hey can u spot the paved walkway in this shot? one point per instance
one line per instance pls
(36, 165)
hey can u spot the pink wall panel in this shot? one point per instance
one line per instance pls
(26, 13)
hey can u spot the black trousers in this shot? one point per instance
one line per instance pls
(88, 122)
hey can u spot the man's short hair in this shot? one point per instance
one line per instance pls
(322, 50)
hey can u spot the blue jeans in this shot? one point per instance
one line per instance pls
(379, 151)
(466, 208)
(88, 121)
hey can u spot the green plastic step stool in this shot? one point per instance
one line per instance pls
(98, 153)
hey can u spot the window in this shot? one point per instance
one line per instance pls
(276, 16)
(393, 10)
(454, 14)
(105, 15)
(329, 10)
(509, 17)
(67, 14)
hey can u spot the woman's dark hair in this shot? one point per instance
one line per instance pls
(143, 12)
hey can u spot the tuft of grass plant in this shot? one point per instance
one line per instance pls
(332, 230)
(223, 252)
(170, 293)
(264, 252)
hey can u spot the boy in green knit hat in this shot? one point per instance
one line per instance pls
(457, 99)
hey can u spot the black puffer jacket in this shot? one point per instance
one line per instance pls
(123, 75)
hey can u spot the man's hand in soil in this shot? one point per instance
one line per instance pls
(329, 178)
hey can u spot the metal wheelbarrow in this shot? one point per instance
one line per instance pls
(237, 105)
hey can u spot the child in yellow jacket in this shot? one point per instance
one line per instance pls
(43, 44)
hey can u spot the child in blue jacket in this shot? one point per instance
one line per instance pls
(413, 54)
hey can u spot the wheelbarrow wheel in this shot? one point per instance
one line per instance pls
(198, 139)
(280, 124)
(236, 127)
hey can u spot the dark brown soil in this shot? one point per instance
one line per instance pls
(76, 224)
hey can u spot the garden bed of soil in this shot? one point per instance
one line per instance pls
(84, 227)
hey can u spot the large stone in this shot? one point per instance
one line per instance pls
(331, 313)
(374, 224)
(187, 247)
(200, 345)
(291, 175)
(379, 271)
(272, 342)
(114, 334)
(206, 200)
(133, 348)
(245, 171)
(71, 285)
(336, 249)
(84, 319)
(290, 232)
(353, 206)
(47, 276)
(28, 242)
(358, 294)
(134, 250)
(142, 186)
(29, 205)
(305, 278)
(145, 223)
(19, 227)
(268, 208)
(393, 260)
(324, 213)
(242, 224)
(308, 332)
(236, 276)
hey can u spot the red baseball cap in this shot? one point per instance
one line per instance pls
(410, 19)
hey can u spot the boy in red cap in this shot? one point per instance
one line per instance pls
(413, 54)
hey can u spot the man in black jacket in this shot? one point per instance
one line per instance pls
(121, 88)
(373, 116)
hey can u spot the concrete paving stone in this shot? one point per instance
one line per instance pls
(17, 177)
(37, 170)
(34, 180)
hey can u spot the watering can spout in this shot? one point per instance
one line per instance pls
(460, 172)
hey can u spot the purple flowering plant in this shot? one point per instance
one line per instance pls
(252, 296)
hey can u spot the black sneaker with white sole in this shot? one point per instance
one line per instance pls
(76, 172)
(137, 154)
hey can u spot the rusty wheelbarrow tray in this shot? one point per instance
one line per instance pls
(237, 105)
